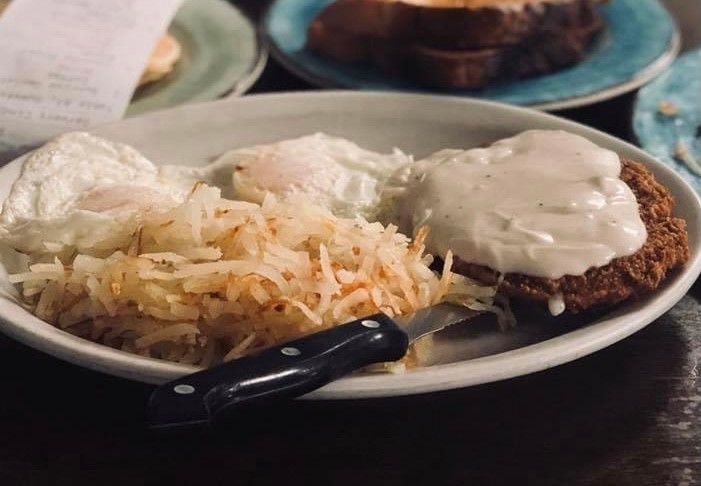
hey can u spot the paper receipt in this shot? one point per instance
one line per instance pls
(72, 64)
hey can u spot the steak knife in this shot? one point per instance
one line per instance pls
(294, 368)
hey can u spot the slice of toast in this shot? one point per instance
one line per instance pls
(452, 24)
(477, 68)
(560, 38)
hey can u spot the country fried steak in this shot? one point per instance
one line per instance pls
(665, 249)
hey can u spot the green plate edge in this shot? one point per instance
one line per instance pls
(221, 54)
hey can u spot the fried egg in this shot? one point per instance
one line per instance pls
(78, 188)
(332, 172)
(74, 190)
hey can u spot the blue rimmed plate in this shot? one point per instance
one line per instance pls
(640, 40)
(220, 55)
(678, 93)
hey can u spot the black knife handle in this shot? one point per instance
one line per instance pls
(285, 371)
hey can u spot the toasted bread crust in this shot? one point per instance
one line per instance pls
(495, 24)
(478, 68)
(470, 68)
(495, 27)
(665, 249)
(451, 47)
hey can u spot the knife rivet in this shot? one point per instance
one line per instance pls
(184, 389)
(290, 351)
(370, 324)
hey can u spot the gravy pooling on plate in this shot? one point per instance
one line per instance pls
(543, 203)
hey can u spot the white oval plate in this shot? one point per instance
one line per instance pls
(418, 124)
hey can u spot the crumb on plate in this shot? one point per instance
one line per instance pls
(667, 109)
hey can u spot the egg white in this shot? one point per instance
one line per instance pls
(78, 188)
(331, 172)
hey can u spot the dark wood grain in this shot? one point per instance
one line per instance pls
(629, 415)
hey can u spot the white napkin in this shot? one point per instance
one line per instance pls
(72, 64)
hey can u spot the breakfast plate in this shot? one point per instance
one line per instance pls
(220, 55)
(418, 124)
(667, 117)
(620, 59)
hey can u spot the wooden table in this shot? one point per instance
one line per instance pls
(627, 415)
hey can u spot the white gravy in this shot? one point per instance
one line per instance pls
(543, 203)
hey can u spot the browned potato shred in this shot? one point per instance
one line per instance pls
(213, 279)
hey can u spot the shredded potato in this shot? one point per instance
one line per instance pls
(213, 279)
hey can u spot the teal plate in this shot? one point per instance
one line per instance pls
(640, 40)
(660, 134)
(220, 55)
